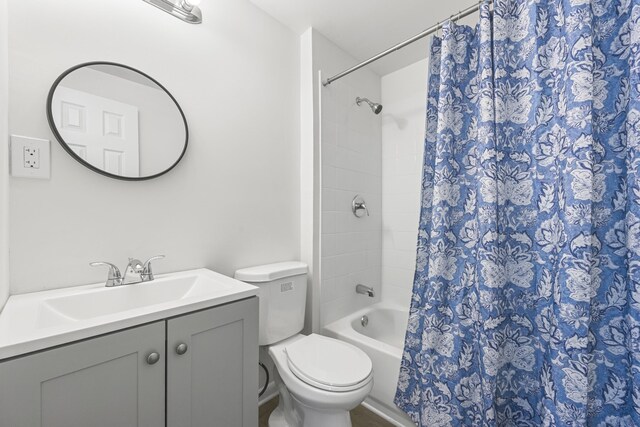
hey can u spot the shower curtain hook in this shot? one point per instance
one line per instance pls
(458, 18)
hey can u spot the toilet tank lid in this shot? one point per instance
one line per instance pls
(267, 273)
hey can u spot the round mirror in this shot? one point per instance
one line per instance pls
(117, 121)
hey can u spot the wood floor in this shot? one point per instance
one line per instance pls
(360, 417)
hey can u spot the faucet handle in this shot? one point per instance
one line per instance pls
(358, 204)
(147, 271)
(114, 278)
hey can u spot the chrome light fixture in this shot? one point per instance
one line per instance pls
(187, 10)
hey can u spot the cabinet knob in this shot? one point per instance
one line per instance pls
(181, 348)
(153, 358)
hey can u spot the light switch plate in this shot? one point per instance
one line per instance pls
(30, 157)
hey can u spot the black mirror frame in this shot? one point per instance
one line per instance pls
(64, 145)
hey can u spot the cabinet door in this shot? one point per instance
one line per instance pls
(100, 382)
(215, 382)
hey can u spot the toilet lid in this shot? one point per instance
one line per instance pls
(328, 364)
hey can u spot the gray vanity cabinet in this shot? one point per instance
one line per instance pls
(212, 363)
(101, 382)
(111, 380)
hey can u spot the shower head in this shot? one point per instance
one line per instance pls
(376, 108)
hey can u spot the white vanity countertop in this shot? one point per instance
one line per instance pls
(39, 320)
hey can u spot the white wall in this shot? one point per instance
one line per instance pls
(310, 178)
(351, 165)
(4, 161)
(233, 201)
(404, 95)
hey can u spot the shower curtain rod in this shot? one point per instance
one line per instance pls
(463, 13)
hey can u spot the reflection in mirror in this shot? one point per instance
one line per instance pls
(117, 121)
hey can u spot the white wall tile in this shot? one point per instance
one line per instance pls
(353, 155)
(404, 239)
(329, 222)
(329, 196)
(403, 124)
(407, 164)
(329, 245)
(380, 158)
(329, 176)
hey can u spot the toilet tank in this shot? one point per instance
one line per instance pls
(283, 296)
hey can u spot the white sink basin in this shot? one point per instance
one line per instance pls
(39, 320)
(105, 301)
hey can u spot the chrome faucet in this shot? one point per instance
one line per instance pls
(365, 290)
(133, 272)
(136, 272)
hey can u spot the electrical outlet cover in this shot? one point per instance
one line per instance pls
(31, 157)
(20, 167)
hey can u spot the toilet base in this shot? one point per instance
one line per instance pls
(310, 418)
(291, 412)
(285, 415)
(276, 419)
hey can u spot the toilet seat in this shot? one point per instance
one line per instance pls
(328, 364)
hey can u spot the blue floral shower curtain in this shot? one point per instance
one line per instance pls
(526, 302)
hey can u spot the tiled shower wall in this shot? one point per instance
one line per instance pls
(380, 158)
(351, 140)
(403, 128)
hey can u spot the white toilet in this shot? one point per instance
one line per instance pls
(319, 379)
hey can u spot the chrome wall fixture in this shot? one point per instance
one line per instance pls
(187, 10)
(376, 108)
(359, 207)
(365, 290)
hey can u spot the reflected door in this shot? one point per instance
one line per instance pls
(101, 131)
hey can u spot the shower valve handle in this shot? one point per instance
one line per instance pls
(358, 205)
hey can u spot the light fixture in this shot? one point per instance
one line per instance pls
(189, 4)
(187, 10)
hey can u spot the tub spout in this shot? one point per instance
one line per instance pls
(365, 290)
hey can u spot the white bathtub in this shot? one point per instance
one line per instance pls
(382, 339)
